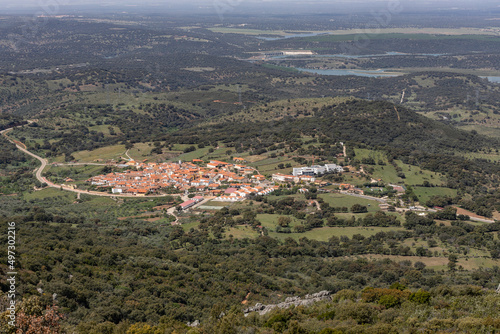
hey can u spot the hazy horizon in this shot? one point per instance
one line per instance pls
(57, 7)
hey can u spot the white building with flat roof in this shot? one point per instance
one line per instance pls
(317, 170)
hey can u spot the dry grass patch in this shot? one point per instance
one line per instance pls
(437, 262)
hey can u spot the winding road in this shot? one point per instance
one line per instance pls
(44, 163)
(128, 156)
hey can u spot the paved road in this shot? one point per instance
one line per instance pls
(173, 210)
(477, 219)
(42, 179)
(44, 162)
(128, 156)
(481, 220)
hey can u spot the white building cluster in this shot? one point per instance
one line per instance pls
(317, 170)
(244, 192)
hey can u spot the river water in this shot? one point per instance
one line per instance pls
(387, 73)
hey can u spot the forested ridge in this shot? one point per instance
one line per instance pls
(402, 132)
(374, 123)
(107, 276)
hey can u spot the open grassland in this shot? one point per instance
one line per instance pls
(414, 175)
(325, 233)
(49, 193)
(79, 173)
(425, 193)
(341, 200)
(443, 249)
(486, 122)
(270, 221)
(348, 215)
(58, 84)
(387, 174)
(269, 166)
(142, 151)
(320, 234)
(363, 153)
(484, 130)
(217, 203)
(241, 232)
(99, 201)
(115, 152)
(355, 179)
(437, 263)
(105, 129)
(190, 225)
(273, 168)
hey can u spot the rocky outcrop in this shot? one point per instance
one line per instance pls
(290, 301)
(195, 323)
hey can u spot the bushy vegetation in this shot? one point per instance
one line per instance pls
(190, 276)
(117, 266)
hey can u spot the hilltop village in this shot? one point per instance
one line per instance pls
(230, 182)
(183, 177)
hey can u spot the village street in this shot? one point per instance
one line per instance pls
(44, 163)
